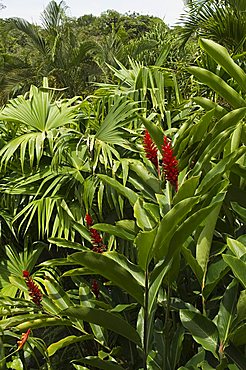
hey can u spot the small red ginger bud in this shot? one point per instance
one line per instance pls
(95, 288)
(170, 163)
(150, 149)
(24, 337)
(88, 220)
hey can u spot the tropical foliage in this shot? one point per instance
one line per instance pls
(122, 213)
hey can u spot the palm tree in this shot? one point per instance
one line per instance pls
(55, 52)
(224, 21)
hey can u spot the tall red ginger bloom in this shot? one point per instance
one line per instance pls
(33, 289)
(96, 238)
(23, 339)
(150, 149)
(170, 163)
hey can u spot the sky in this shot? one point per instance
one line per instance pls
(169, 10)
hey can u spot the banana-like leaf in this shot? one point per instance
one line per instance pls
(222, 57)
(226, 313)
(99, 363)
(217, 84)
(110, 269)
(203, 330)
(105, 319)
(64, 342)
(238, 268)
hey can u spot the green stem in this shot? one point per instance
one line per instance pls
(146, 317)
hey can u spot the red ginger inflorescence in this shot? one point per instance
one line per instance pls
(95, 288)
(150, 149)
(33, 289)
(170, 163)
(96, 238)
(24, 337)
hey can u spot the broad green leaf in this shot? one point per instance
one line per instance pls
(209, 105)
(202, 329)
(42, 322)
(237, 248)
(222, 57)
(67, 244)
(238, 268)
(190, 224)
(114, 230)
(241, 306)
(238, 337)
(226, 313)
(105, 319)
(205, 239)
(99, 363)
(212, 177)
(169, 224)
(103, 265)
(217, 84)
(64, 342)
(241, 211)
(57, 294)
(144, 242)
(187, 189)
(216, 271)
(144, 219)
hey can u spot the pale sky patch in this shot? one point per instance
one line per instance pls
(168, 10)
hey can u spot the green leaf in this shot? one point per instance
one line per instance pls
(68, 244)
(114, 230)
(64, 342)
(217, 84)
(237, 248)
(202, 329)
(143, 218)
(99, 363)
(238, 337)
(169, 223)
(103, 265)
(222, 57)
(238, 268)
(226, 312)
(205, 239)
(105, 319)
(212, 177)
(144, 242)
(187, 189)
(121, 189)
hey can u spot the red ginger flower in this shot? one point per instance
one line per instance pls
(24, 337)
(88, 220)
(170, 163)
(95, 288)
(150, 149)
(33, 289)
(96, 239)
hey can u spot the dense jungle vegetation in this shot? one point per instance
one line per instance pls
(122, 181)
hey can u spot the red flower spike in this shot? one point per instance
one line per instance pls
(96, 238)
(88, 220)
(150, 149)
(95, 288)
(24, 337)
(33, 289)
(25, 274)
(170, 163)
